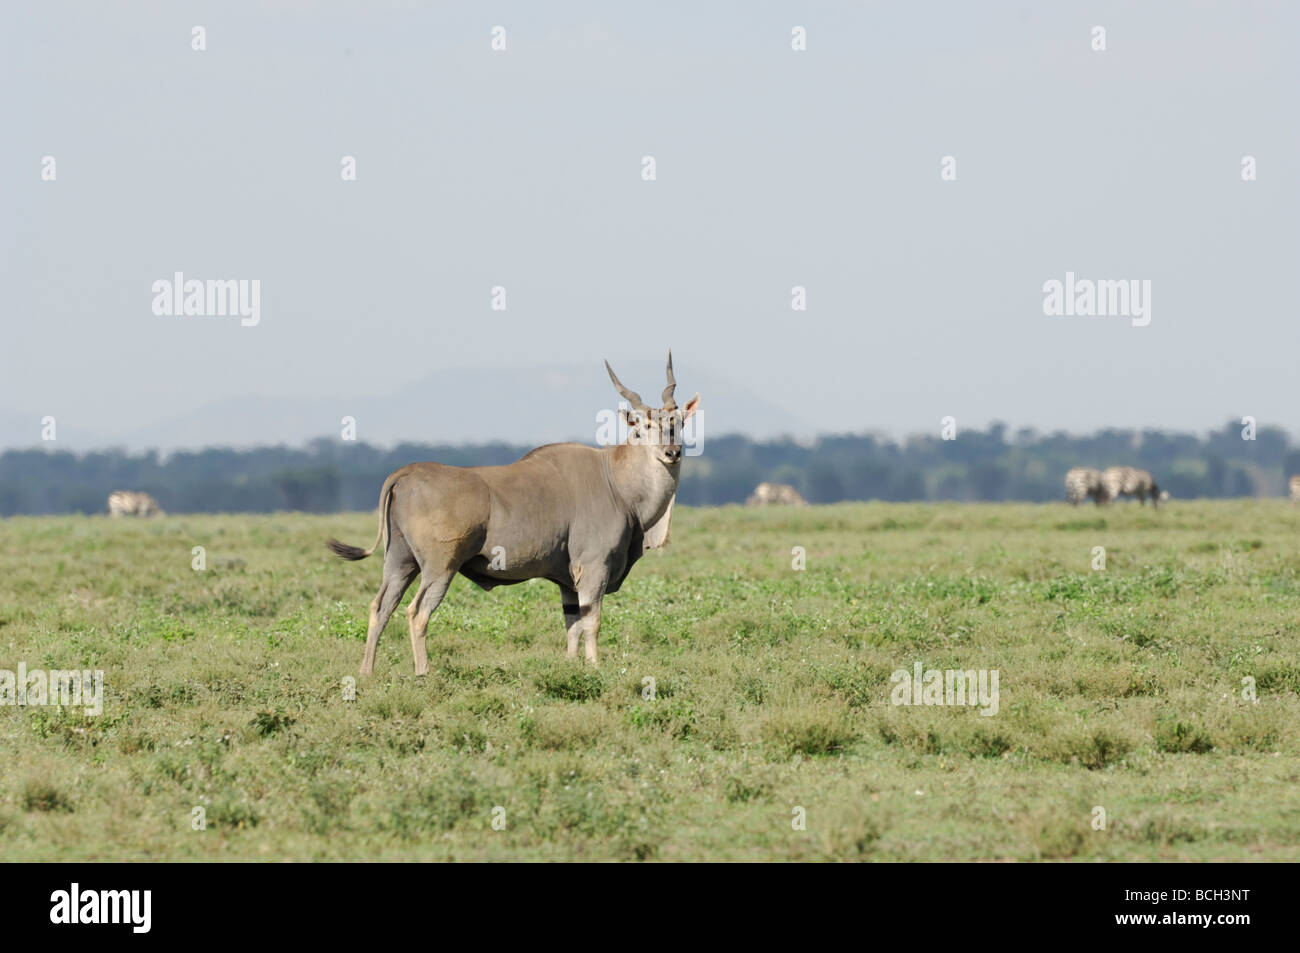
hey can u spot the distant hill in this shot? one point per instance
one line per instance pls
(529, 405)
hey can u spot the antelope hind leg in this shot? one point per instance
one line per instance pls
(397, 577)
(418, 612)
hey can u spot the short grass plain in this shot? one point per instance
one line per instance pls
(1119, 689)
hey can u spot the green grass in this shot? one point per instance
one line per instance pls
(224, 690)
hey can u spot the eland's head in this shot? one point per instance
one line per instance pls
(659, 430)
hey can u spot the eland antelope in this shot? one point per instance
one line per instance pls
(576, 515)
(775, 494)
(131, 503)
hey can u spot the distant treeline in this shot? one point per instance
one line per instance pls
(330, 475)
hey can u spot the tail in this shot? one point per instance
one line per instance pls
(345, 551)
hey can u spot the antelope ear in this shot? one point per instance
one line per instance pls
(629, 416)
(656, 537)
(691, 407)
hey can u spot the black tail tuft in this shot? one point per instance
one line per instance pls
(345, 551)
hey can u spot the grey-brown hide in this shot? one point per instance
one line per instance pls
(576, 515)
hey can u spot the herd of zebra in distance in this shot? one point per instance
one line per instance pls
(1081, 483)
(1106, 486)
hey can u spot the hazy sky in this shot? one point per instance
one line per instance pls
(775, 168)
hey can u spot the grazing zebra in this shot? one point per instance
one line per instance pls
(131, 503)
(1294, 488)
(775, 493)
(1130, 481)
(1084, 482)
